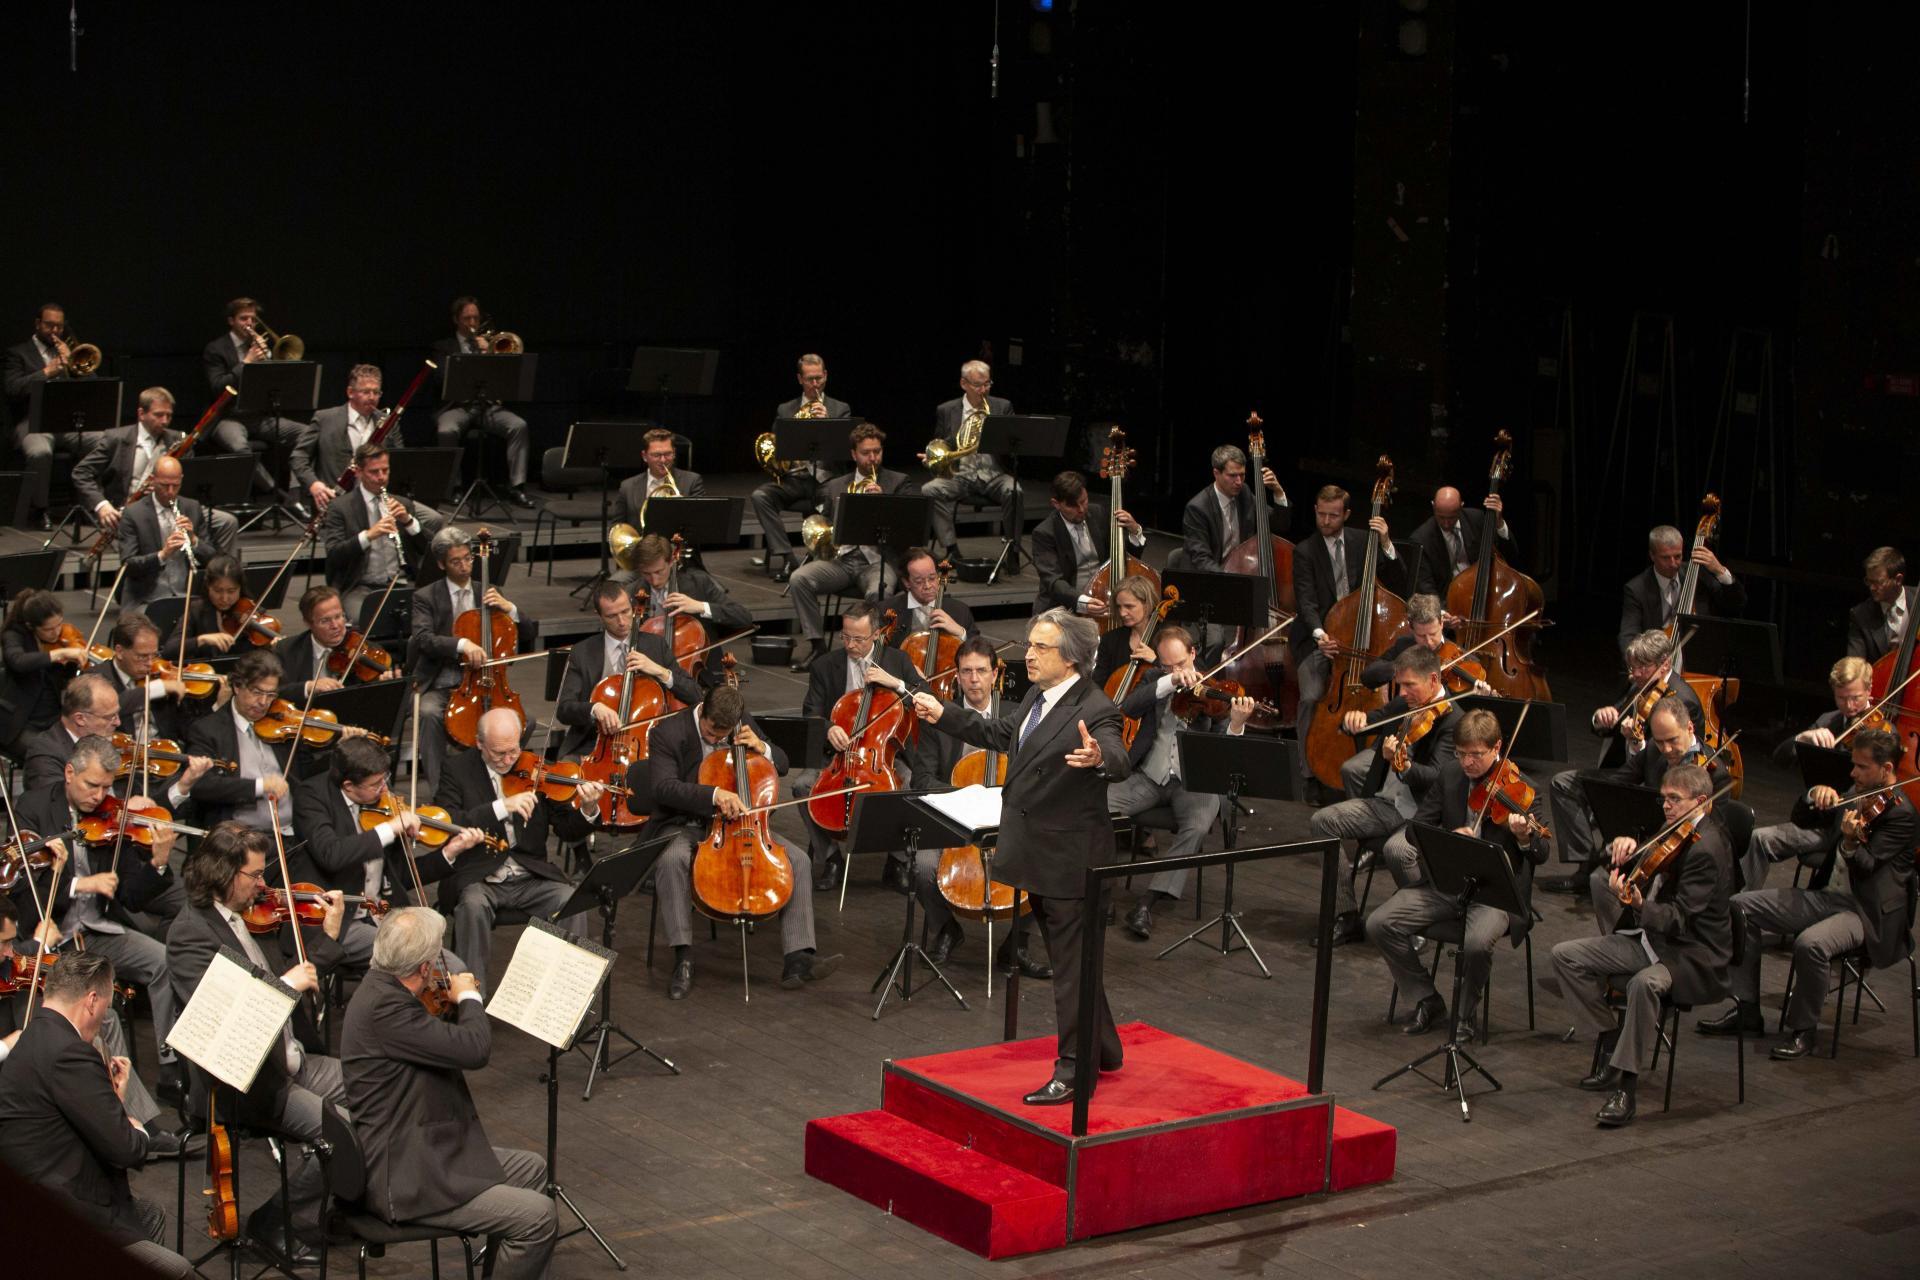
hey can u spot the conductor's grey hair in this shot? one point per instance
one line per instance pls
(1079, 637)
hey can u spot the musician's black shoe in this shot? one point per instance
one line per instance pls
(1346, 928)
(299, 509)
(519, 497)
(266, 1229)
(950, 936)
(165, 1145)
(1429, 1014)
(1140, 921)
(1799, 1044)
(1744, 1016)
(803, 967)
(803, 651)
(1617, 1111)
(171, 1087)
(784, 572)
(1029, 967)
(1051, 1094)
(831, 870)
(41, 520)
(1575, 883)
(682, 981)
(1604, 1080)
(896, 876)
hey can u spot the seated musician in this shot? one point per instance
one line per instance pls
(850, 569)
(622, 646)
(635, 490)
(101, 883)
(1449, 539)
(682, 806)
(1221, 516)
(1380, 798)
(1326, 568)
(1417, 907)
(223, 583)
(64, 1123)
(1685, 926)
(1651, 598)
(135, 641)
(226, 874)
(916, 606)
(492, 417)
(440, 657)
(1134, 604)
(1426, 627)
(37, 665)
(304, 657)
(328, 445)
(1649, 662)
(974, 476)
(1851, 680)
(371, 536)
(1070, 547)
(427, 1156)
(1670, 742)
(1877, 624)
(473, 792)
(122, 459)
(798, 488)
(24, 366)
(830, 677)
(684, 590)
(222, 361)
(339, 852)
(1155, 781)
(1826, 924)
(229, 734)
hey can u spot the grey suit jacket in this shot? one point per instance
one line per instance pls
(140, 541)
(633, 490)
(948, 416)
(106, 472)
(323, 453)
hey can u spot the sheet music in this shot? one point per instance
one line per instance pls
(233, 1020)
(549, 983)
(976, 807)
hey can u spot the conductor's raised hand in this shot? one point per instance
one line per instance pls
(1087, 755)
(927, 707)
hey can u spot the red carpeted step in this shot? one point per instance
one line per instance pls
(957, 1193)
(1363, 1150)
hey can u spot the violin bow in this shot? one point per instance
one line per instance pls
(1673, 668)
(1722, 749)
(1892, 694)
(366, 633)
(1670, 828)
(1505, 756)
(39, 954)
(100, 621)
(257, 612)
(1245, 649)
(1451, 663)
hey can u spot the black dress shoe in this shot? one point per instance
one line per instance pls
(1050, 1094)
(1430, 1013)
(1346, 928)
(682, 981)
(1140, 921)
(1575, 883)
(1616, 1111)
(828, 877)
(784, 572)
(803, 651)
(519, 497)
(1799, 1044)
(1029, 967)
(950, 936)
(301, 511)
(897, 877)
(1743, 1017)
(1604, 1080)
(803, 967)
(41, 521)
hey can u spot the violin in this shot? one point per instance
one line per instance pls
(1266, 671)
(1491, 596)
(317, 728)
(741, 873)
(113, 821)
(306, 902)
(1460, 674)
(1657, 857)
(1419, 725)
(1127, 678)
(482, 688)
(558, 780)
(163, 757)
(1502, 793)
(70, 638)
(24, 975)
(244, 619)
(934, 651)
(355, 659)
(197, 678)
(1636, 709)
(962, 871)
(875, 722)
(436, 824)
(223, 1204)
(1115, 461)
(1866, 811)
(27, 852)
(1213, 698)
(689, 638)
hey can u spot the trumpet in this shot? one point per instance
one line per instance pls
(78, 359)
(500, 342)
(278, 347)
(763, 445)
(666, 489)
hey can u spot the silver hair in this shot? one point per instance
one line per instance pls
(408, 938)
(1665, 535)
(1226, 455)
(1649, 647)
(499, 716)
(976, 368)
(1079, 637)
(449, 537)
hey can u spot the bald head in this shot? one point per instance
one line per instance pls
(1446, 507)
(166, 483)
(167, 469)
(500, 729)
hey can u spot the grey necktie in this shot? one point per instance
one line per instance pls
(1229, 528)
(1457, 547)
(1339, 550)
(619, 658)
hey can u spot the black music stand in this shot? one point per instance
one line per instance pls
(607, 881)
(221, 482)
(1229, 600)
(374, 707)
(812, 441)
(671, 371)
(1623, 808)
(1731, 647)
(29, 571)
(605, 446)
(165, 613)
(1473, 872)
(1014, 436)
(987, 840)
(884, 821)
(67, 409)
(1824, 766)
(889, 521)
(1542, 737)
(266, 578)
(424, 474)
(387, 616)
(481, 381)
(276, 390)
(1230, 767)
(13, 498)
(703, 522)
(803, 738)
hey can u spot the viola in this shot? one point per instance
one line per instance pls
(163, 757)
(1267, 671)
(1115, 461)
(558, 780)
(245, 619)
(962, 871)
(1460, 674)
(482, 688)
(318, 728)
(353, 659)
(875, 722)
(1419, 725)
(1636, 709)
(1491, 595)
(1123, 681)
(639, 701)
(308, 902)
(1213, 699)
(1503, 792)
(436, 824)
(1657, 857)
(935, 654)
(741, 873)
(688, 636)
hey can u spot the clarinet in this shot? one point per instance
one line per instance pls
(174, 515)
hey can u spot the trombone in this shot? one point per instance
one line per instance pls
(278, 347)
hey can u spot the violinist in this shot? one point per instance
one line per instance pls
(40, 653)
(303, 657)
(1326, 569)
(1825, 924)
(229, 734)
(1070, 547)
(1426, 627)
(682, 806)
(1449, 539)
(1418, 910)
(135, 641)
(684, 590)
(1671, 742)
(226, 874)
(661, 454)
(1876, 625)
(222, 582)
(1155, 780)
(473, 791)
(621, 646)
(1686, 927)
(1221, 515)
(1382, 798)
(451, 421)
(102, 882)
(798, 486)
(851, 569)
(441, 654)
(1134, 601)
(371, 536)
(974, 476)
(65, 1124)
(1651, 598)
(831, 676)
(1851, 680)
(428, 1160)
(123, 458)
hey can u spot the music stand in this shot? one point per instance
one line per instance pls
(13, 498)
(373, 707)
(1623, 808)
(665, 371)
(165, 613)
(29, 571)
(275, 390)
(1475, 872)
(703, 522)
(607, 881)
(1011, 436)
(803, 738)
(882, 822)
(889, 521)
(481, 381)
(66, 409)
(424, 474)
(1542, 737)
(1231, 767)
(1824, 766)
(219, 481)
(267, 578)
(1230, 600)
(604, 445)
(388, 618)
(811, 440)
(1730, 647)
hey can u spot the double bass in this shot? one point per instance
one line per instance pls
(1115, 461)
(1898, 691)
(1716, 692)
(1363, 625)
(875, 721)
(740, 872)
(1126, 679)
(484, 687)
(1268, 556)
(1490, 594)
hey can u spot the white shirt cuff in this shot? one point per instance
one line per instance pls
(1163, 688)
(366, 539)
(469, 995)
(500, 810)
(706, 609)
(386, 831)
(1726, 577)
(1387, 549)
(259, 787)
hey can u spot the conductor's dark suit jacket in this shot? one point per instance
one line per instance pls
(1313, 581)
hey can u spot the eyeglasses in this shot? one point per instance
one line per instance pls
(259, 875)
(253, 692)
(1043, 646)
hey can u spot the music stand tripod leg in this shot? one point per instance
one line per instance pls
(1456, 1055)
(605, 1028)
(587, 588)
(554, 1190)
(899, 970)
(1228, 919)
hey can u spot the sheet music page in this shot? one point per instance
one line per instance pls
(549, 983)
(233, 1020)
(975, 808)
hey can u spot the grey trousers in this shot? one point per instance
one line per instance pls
(480, 904)
(1423, 911)
(1351, 821)
(926, 888)
(1585, 965)
(1194, 812)
(38, 448)
(1776, 843)
(798, 491)
(518, 1219)
(496, 421)
(230, 435)
(817, 578)
(980, 486)
(1312, 673)
(1607, 907)
(1823, 926)
(150, 1252)
(138, 958)
(1573, 829)
(673, 885)
(320, 1081)
(435, 746)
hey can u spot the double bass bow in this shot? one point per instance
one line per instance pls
(1490, 595)
(1115, 461)
(497, 636)
(1265, 673)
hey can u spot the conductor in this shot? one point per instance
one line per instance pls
(1063, 747)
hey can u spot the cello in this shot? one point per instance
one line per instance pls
(1270, 557)
(1491, 594)
(1115, 461)
(1125, 680)
(962, 874)
(686, 637)
(934, 652)
(639, 700)
(1897, 692)
(1716, 693)
(875, 722)
(1363, 625)
(481, 690)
